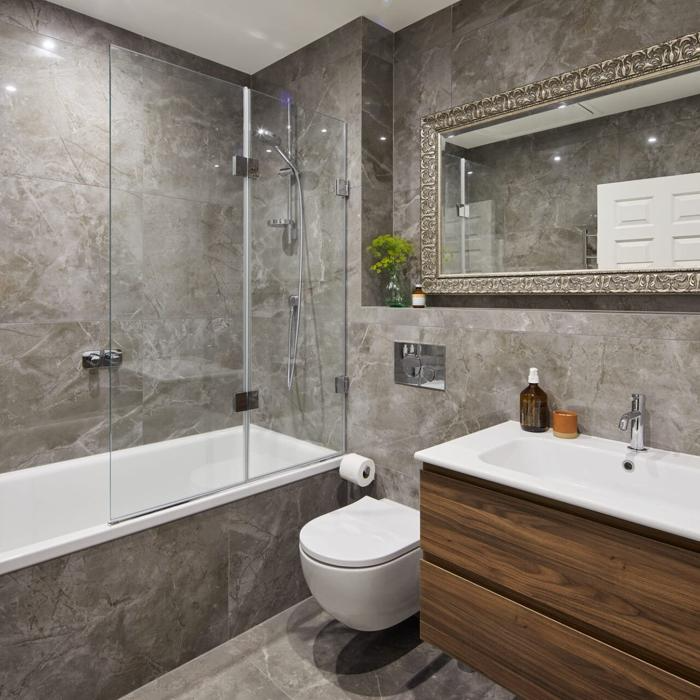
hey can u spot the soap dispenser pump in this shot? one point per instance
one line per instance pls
(534, 405)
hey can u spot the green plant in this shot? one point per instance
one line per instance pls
(390, 252)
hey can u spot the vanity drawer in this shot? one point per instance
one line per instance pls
(633, 592)
(530, 654)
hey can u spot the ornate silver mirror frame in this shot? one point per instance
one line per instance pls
(680, 54)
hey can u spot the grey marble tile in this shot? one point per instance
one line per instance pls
(310, 655)
(97, 623)
(377, 161)
(264, 567)
(56, 124)
(53, 252)
(191, 259)
(51, 408)
(217, 675)
(191, 124)
(377, 40)
(510, 52)
(469, 16)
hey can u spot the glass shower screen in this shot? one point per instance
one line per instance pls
(204, 275)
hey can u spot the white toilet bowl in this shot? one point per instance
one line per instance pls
(361, 562)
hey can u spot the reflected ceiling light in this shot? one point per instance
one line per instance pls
(11, 88)
(470, 172)
(216, 165)
(556, 159)
(268, 150)
(652, 139)
(382, 138)
(324, 131)
(48, 44)
(563, 105)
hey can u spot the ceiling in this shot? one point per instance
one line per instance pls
(248, 34)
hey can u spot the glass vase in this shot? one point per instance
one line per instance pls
(393, 291)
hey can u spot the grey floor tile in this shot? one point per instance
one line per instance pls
(216, 675)
(304, 653)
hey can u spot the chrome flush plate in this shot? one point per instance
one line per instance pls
(419, 364)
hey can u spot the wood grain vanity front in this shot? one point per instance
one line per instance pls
(599, 584)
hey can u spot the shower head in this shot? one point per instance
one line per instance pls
(267, 136)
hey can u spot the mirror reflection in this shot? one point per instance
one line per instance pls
(611, 182)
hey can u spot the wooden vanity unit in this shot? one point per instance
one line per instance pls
(555, 602)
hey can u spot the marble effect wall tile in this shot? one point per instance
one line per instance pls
(98, 623)
(377, 144)
(56, 124)
(50, 408)
(54, 174)
(54, 251)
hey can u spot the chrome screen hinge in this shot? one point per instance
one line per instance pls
(342, 187)
(245, 167)
(342, 384)
(245, 401)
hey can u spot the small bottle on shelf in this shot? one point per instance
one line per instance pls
(418, 297)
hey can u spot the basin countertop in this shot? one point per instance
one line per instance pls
(662, 491)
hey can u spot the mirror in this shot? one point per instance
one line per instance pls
(581, 183)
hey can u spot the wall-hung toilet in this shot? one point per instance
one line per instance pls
(361, 562)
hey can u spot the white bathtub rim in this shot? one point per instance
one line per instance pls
(30, 555)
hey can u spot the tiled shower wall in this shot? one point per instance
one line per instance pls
(593, 353)
(98, 623)
(54, 248)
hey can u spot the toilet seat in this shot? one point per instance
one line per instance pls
(366, 533)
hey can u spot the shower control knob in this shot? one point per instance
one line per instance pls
(92, 359)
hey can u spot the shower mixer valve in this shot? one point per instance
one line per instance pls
(96, 359)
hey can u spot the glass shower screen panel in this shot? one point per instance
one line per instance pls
(177, 286)
(297, 323)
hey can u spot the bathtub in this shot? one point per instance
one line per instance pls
(55, 509)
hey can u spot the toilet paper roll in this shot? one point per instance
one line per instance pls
(357, 469)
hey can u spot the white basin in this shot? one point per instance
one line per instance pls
(662, 491)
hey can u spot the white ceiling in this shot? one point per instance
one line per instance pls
(248, 34)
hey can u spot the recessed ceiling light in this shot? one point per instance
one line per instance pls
(557, 158)
(11, 88)
(652, 139)
(48, 44)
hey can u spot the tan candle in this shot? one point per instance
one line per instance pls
(565, 424)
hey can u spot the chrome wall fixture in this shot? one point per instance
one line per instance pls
(98, 359)
(419, 364)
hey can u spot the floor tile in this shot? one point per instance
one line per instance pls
(304, 653)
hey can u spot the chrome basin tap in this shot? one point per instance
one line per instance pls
(634, 420)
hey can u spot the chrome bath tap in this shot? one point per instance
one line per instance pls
(634, 420)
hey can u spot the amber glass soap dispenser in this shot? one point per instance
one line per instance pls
(534, 406)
